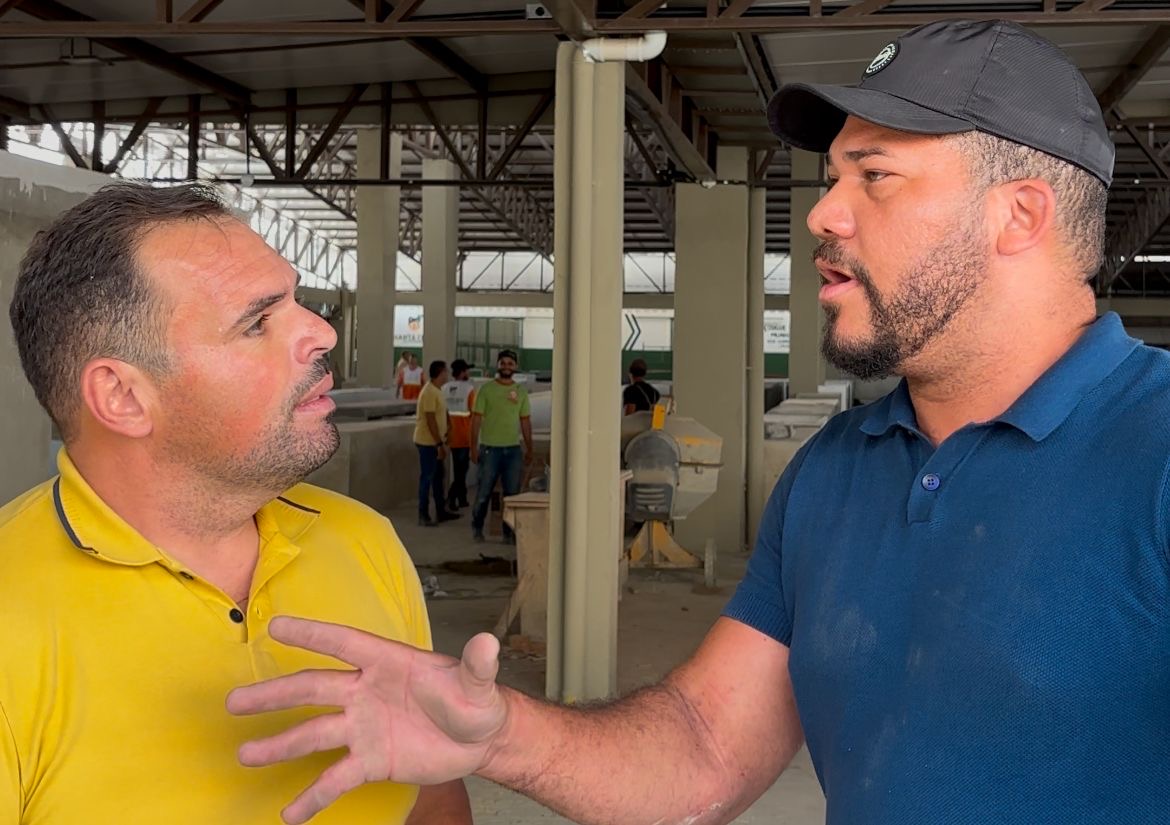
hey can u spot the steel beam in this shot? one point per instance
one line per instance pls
(665, 116)
(148, 114)
(193, 128)
(518, 210)
(643, 9)
(60, 14)
(1144, 59)
(66, 143)
(334, 124)
(15, 108)
(1132, 235)
(199, 10)
(537, 112)
(863, 8)
(403, 10)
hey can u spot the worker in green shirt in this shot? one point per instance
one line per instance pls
(499, 417)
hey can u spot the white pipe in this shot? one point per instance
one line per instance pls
(634, 49)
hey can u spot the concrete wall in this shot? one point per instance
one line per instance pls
(31, 195)
(377, 463)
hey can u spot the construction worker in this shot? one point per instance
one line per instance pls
(410, 379)
(430, 437)
(500, 416)
(639, 395)
(460, 396)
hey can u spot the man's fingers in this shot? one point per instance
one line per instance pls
(479, 666)
(338, 778)
(322, 688)
(354, 647)
(321, 733)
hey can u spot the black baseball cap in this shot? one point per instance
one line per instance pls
(507, 353)
(459, 365)
(960, 76)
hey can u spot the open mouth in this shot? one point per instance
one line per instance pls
(836, 281)
(317, 399)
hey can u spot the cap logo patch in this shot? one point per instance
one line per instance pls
(884, 58)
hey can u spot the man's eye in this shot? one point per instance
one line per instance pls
(872, 175)
(258, 327)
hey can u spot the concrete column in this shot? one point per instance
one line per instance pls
(440, 261)
(585, 533)
(806, 367)
(757, 489)
(377, 259)
(710, 353)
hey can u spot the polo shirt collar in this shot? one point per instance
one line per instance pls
(1049, 401)
(895, 410)
(93, 527)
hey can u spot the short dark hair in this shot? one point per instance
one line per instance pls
(459, 365)
(81, 294)
(436, 368)
(638, 368)
(1081, 198)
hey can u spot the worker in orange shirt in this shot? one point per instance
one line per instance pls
(410, 379)
(460, 395)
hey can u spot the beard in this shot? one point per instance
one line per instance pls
(281, 455)
(931, 291)
(505, 373)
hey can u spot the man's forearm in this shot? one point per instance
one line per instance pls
(568, 759)
(526, 431)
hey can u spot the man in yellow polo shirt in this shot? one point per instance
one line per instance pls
(162, 336)
(430, 438)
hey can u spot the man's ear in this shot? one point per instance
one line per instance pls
(1024, 212)
(119, 396)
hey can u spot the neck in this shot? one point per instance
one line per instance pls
(953, 384)
(198, 523)
(503, 380)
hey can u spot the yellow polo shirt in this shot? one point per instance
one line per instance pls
(115, 661)
(431, 400)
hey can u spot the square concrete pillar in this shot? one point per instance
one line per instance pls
(806, 367)
(440, 260)
(712, 247)
(585, 522)
(377, 259)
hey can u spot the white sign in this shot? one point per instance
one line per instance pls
(776, 331)
(408, 326)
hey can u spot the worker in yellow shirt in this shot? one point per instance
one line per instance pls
(430, 437)
(137, 584)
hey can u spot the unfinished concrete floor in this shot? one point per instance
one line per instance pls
(660, 622)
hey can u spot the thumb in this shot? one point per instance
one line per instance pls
(479, 666)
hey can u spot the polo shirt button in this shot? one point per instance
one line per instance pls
(186, 575)
(236, 616)
(931, 482)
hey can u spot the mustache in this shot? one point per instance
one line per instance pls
(833, 254)
(318, 371)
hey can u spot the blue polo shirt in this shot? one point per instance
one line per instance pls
(980, 632)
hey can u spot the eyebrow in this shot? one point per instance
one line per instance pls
(855, 155)
(258, 306)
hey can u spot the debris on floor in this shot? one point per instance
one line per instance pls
(483, 566)
(520, 646)
(431, 588)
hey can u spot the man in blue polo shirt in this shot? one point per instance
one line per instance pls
(960, 594)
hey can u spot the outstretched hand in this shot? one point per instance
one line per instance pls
(405, 715)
